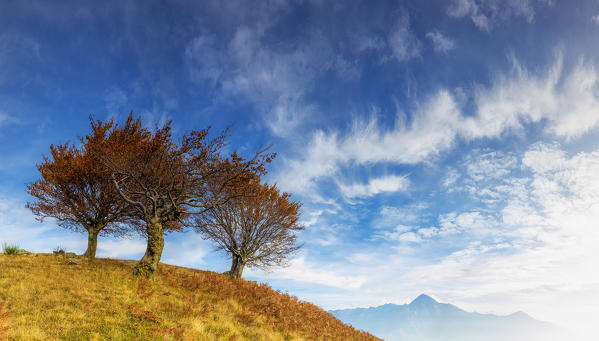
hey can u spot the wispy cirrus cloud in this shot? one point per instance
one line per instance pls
(431, 131)
(402, 41)
(5, 118)
(441, 43)
(274, 79)
(280, 79)
(374, 186)
(566, 99)
(16, 47)
(564, 102)
(485, 13)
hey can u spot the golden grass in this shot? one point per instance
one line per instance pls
(42, 297)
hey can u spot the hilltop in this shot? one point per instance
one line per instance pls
(45, 297)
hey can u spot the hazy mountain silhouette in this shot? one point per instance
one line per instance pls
(425, 319)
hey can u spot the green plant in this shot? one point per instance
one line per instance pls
(59, 250)
(10, 249)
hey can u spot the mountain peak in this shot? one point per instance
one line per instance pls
(423, 299)
(519, 315)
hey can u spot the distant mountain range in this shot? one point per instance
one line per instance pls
(428, 320)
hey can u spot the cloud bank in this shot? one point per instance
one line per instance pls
(564, 102)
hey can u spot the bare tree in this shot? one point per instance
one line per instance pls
(257, 230)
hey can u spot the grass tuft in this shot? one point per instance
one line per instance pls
(10, 249)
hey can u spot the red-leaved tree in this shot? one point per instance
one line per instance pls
(75, 190)
(166, 182)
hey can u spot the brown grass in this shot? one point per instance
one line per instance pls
(42, 297)
(3, 322)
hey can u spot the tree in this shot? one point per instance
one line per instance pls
(257, 230)
(165, 183)
(75, 191)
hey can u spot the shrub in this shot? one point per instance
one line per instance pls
(10, 249)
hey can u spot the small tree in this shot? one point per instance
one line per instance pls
(75, 191)
(165, 183)
(257, 230)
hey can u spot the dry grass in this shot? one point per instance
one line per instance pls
(3, 322)
(42, 297)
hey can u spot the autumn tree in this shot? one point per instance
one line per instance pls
(257, 229)
(165, 182)
(75, 190)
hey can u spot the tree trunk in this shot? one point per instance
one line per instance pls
(149, 262)
(92, 242)
(237, 266)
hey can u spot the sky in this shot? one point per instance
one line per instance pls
(440, 147)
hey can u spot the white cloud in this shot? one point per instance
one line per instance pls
(120, 248)
(402, 41)
(314, 215)
(326, 240)
(469, 223)
(538, 248)
(409, 237)
(451, 176)
(441, 43)
(490, 165)
(568, 101)
(462, 8)
(484, 13)
(432, 131)
(416, 234)
(116, 100)
(385, 184)
(473, 222)
(189, 249)
(404, 214)
(362, 258)
(565, 103)
(16, 47)
(542, 158)
(204, 60)
(302, 271)
(7, 119)
(16, 222)
(543, 241)
(274, 79)
(595, 18)
(365, 42)
(4, 118)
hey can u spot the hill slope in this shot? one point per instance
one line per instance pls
(425, 319)
(45, 297)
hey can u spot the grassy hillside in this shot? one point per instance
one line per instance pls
(46, 297)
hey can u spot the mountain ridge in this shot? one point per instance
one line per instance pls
(426, 319)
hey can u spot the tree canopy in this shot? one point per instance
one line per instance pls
(257, 229)
(127, 178)
(166, 182)
(75, 190)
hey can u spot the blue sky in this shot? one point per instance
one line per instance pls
(447, 147)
